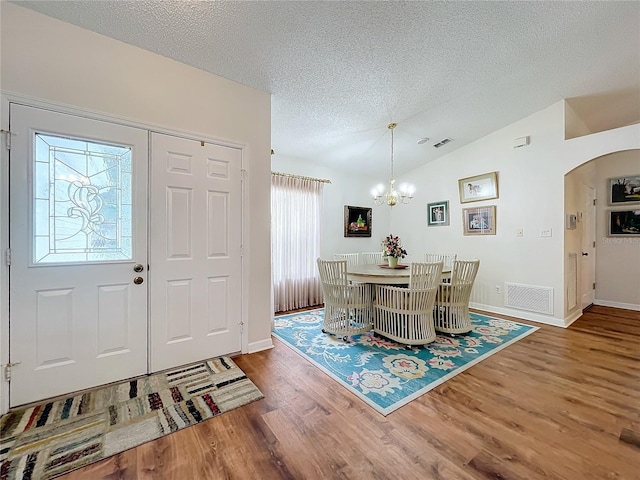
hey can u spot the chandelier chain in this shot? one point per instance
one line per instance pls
(392, 197)
(391, 153)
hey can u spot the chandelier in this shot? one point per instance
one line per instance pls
(404, 194)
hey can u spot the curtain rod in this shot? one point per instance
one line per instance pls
(323, 180)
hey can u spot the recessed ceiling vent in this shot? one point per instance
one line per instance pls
(442, 142)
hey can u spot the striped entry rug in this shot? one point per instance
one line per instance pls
(50, 439)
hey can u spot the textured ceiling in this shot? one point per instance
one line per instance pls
(339, 72)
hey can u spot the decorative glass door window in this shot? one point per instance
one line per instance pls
(81, 201)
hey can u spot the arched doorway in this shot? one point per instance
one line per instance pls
(608, 273)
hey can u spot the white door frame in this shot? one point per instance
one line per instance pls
(8, 97)
(587, 259)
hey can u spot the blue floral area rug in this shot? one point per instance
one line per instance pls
(384, 373)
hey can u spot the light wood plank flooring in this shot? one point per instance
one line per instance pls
(561, 404)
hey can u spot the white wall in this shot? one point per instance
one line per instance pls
(617, 258)
(43, 58)
(531, 196)
(343, 190)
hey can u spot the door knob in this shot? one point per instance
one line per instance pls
(138, 267)
(138, 280)
(585, 254)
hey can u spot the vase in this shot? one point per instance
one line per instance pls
(393, 262)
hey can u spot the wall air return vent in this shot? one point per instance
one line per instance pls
(443, 142)
(529, 297)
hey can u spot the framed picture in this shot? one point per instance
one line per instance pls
(438, 213)
(357, 221)
(624, 189)
(480, 187)
(624, 223)
(479, 220)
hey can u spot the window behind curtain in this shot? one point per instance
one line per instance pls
(296, 207)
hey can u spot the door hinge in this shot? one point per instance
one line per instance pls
(243, 174)
(7, 256)
(241, 326)
(242, 250)
(7, 370)
(594, 244)
(8, 136)
(594, 285)
(594, 201)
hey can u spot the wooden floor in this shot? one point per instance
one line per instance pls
(560, 404)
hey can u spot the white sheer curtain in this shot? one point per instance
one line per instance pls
(296, 207)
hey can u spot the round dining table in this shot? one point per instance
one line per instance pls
(378, 274)
(383, 274)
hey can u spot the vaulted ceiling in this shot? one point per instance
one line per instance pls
(340, 71)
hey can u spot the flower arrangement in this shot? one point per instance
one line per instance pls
(391, 247)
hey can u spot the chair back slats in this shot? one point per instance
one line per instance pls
(425, 275)
(446, 258)
(371, 258)
(333, 272)
(351, 258)
(464, 272)
(406, 314)
(348, 307)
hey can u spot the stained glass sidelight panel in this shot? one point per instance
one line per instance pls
(82, 208)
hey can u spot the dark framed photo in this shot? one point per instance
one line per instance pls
(480, 187)
(438, 213)
(357, 221)
(624, 223)
(624, 189)
(479, 220)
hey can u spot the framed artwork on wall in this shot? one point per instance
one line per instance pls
(357, 221)
(624, 190)
(624, 223)
(480, 187)
(438, 213)
(479, 220)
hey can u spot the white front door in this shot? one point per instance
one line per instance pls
(196, 236)
(78, 226)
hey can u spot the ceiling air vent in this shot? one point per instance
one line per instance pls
(443, 142)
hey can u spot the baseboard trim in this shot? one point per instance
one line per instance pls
(556, 322)
(572, 318)
(626, 306)
(254, 347)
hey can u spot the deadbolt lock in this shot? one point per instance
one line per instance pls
(138, 280)
(138, 267)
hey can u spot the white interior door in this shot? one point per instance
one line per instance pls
(588, 234)
(78, 225)
(196, 236)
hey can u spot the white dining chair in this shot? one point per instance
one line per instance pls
(405, 315)
(452, 301)
(351, 258)
(371, 258)
(347, 307)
